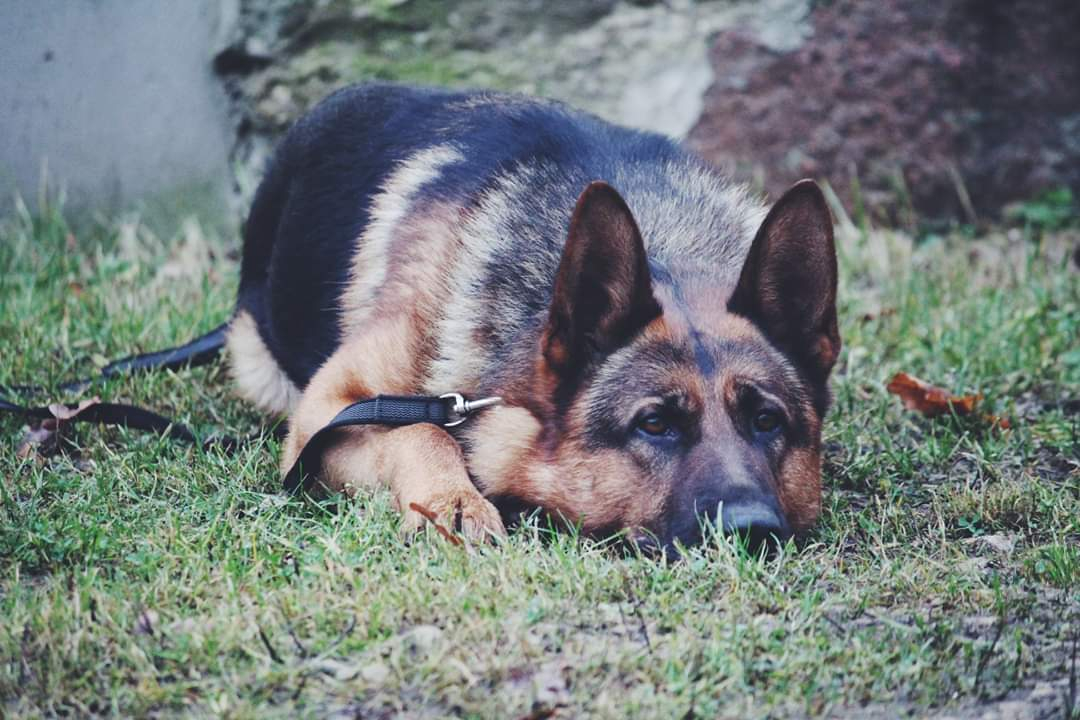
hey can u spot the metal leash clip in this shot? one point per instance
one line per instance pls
(463, 408)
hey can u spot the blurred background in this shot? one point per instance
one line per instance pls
(919, 115)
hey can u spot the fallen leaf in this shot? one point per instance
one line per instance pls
(63, 412)
(928, 399)
(933, 401)
(44, 439)
(434, 520)
(41, 440)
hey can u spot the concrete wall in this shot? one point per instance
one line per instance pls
(117, 98)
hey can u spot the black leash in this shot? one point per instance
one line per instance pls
(200, 351)
(130, 416)
(393, 410)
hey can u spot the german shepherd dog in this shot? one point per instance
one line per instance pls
(661, 344)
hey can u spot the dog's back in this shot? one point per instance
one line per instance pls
(457, 204)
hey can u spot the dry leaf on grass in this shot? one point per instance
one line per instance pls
(928, 399)
(434, 520)
(933, 401)
(41, 440)
(62, 412)
(44, 439)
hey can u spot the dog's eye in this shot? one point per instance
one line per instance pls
(653, 424)
(767, 421)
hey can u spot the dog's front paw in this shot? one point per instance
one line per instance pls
(455, 513)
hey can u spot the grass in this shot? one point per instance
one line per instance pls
(139, 576)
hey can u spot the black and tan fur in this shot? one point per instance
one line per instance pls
(657, 362)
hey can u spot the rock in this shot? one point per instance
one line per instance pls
(421, 640)
(917, 110)
(643, 64)
(375, 673)
(999, 543)
(647, 67)
(550, 690)
(338, 669)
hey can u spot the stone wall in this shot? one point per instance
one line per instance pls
(117, 102)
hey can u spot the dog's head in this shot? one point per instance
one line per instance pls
(659, 404)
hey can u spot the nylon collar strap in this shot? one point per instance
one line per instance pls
(393, 410)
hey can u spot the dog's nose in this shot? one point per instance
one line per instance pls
(754, 520)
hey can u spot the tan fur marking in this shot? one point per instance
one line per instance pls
(502, 440)
(800, 487)
(596, 490)
(376, 246)
(257, 375)
(658, 329)
(722, 324)
(381, 362)
(424, 250)
(600, 490)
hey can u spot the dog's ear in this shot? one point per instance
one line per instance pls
(788, 283)
(603, 291)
